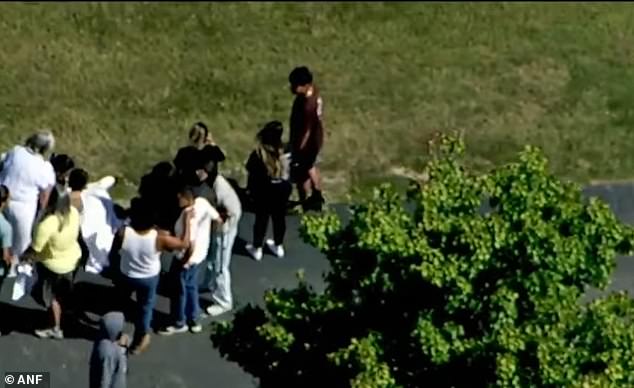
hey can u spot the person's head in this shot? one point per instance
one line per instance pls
(187, 159)
(271, 134)
(185, 195)
(58, 205)
(111, 326)
(300, 79)
(62, 164)
(162, 169)
(4, 196)
(41, 142)
(142, 214)
(270, 147)
(199, 135)
(78, 179)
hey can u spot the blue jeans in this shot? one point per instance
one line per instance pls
(145, 289)
(218, 275)
(185, 306)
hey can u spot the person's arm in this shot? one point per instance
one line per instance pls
(7, 240)
(43, 233)
(192, 243)
(7, 256)
(310, 115)
(46, 185)
(256, 172)
(43, 198)
(171, 243)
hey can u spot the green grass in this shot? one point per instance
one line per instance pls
(121, 83)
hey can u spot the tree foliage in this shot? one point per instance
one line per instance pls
(478, 284)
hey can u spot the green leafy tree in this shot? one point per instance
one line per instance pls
(478, 284)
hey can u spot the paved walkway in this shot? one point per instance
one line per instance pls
(179, 361)
(190, 361)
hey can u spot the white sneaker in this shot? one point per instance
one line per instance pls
(169, 330)
(277, 250)
(13, 271)
(256, 253)
(214, 310)
(196, 328)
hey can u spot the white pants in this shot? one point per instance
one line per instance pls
(21, 216)
(217, 273)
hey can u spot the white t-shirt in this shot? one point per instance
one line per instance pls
(26, 174)
(200, 229)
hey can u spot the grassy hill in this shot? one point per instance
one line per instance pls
(120, 84)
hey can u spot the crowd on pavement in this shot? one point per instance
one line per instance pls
(55, 221)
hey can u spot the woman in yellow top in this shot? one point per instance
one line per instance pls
(57, 251)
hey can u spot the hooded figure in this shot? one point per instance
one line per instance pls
(108, 362)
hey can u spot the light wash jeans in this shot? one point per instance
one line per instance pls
(217, 273)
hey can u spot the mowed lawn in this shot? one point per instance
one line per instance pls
(120, 84)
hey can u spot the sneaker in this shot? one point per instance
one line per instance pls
(141, 346)
(277, 250)
(169, 330)
(256, 253)
(196, 328)
(315, 202)
(54, 333)
(13, 271)
(214, 310)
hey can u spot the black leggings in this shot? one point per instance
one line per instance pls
(271, 203)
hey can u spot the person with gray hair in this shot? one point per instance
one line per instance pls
(29, 176)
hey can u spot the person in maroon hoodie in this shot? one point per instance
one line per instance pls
(306, 137)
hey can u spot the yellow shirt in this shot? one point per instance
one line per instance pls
(58, 248)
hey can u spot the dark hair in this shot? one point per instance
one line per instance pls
(62, 163)
(162, 169)
(186, 190)
(187, 159)
(142, 214)
(300, 76)
(78, 179)
(211, 153)
(271, 134)
(4, 194)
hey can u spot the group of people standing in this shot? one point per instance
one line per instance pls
(54, 217)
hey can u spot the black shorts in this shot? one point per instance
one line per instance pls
(51, 285)
(301, 163)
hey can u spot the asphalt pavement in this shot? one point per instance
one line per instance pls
(190, 360)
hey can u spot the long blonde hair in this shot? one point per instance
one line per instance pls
(271, 156)
(270, 149)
